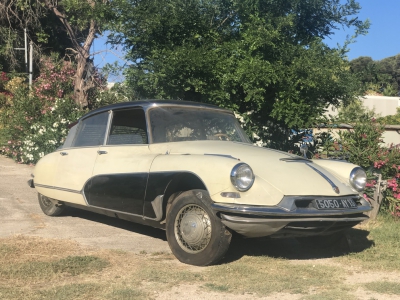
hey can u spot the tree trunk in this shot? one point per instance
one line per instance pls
(82, 52)
(80, 93)
(82, 83)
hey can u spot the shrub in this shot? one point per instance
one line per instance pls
(363, 146)
(3, 93)
(34, 122)
(55, 80)
(48, 133)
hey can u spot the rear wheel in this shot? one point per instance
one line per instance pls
(49, 207)
(195, 234)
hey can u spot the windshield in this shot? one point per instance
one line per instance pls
(174, 124)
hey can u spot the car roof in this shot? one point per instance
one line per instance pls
(146, 104)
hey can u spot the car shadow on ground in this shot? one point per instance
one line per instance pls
(354, 240)
(115, 222)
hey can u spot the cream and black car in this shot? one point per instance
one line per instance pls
(190, 169)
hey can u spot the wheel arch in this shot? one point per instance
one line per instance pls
(184, 181)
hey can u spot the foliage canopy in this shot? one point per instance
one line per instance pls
(261, 58)
(382, 76)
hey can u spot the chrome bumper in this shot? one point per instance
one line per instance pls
(292, 217)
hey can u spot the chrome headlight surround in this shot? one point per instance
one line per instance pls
(242, 177)
(358, 179)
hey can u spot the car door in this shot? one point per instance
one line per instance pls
(122, 165)
(75, 163)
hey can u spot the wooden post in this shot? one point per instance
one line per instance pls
(379, 188)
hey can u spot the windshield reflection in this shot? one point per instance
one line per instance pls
(174, 124)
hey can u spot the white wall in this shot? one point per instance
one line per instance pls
(384, 106)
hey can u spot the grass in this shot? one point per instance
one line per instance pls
(127, 293)
(380, 250)
(69, 266)
(335, 294)
(37, 268)
(384, 287)
(69, 291)
(216, 287)
(265, 275)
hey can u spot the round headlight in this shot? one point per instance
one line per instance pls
(358, 179)
(242, 177)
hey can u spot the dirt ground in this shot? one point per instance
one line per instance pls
(21, 214)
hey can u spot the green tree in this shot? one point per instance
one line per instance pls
(75, 21)
(390, 67)
(392, 119)
(353, 113)
(44, 30)
(381, 77)
(264, 59)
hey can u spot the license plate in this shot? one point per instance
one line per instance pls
(335, 203)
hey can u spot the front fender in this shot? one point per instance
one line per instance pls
(213, 171)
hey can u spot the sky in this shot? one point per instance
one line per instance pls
(382, 40)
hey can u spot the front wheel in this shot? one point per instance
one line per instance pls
(195, 234)
(49, 207)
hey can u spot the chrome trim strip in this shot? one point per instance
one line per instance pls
(110, 117)
(295, 159)
(125, 213)
(58, 188)
(222, 155)
(334, 187)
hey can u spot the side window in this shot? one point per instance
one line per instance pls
(128, 127)
(91, 131)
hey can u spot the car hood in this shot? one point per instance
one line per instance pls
(288, 173)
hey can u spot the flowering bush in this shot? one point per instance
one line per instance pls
(3, 93)
(55, 80)
(14, 84)
(35, 122)
(3, 80)
(49, 132)
(363, 146)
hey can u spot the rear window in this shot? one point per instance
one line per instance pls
(91, 131)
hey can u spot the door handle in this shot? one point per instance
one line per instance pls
(100, 152)
(63, 153)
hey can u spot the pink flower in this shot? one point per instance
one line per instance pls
(380, 163)
(371, 183)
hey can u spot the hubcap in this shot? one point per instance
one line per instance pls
(46, 201)
(193, 228)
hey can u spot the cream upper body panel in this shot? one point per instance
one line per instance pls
(62, 174)
(45, 169)
(119, 159)
(275, 178)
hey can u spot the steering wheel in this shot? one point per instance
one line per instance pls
(222, 136)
